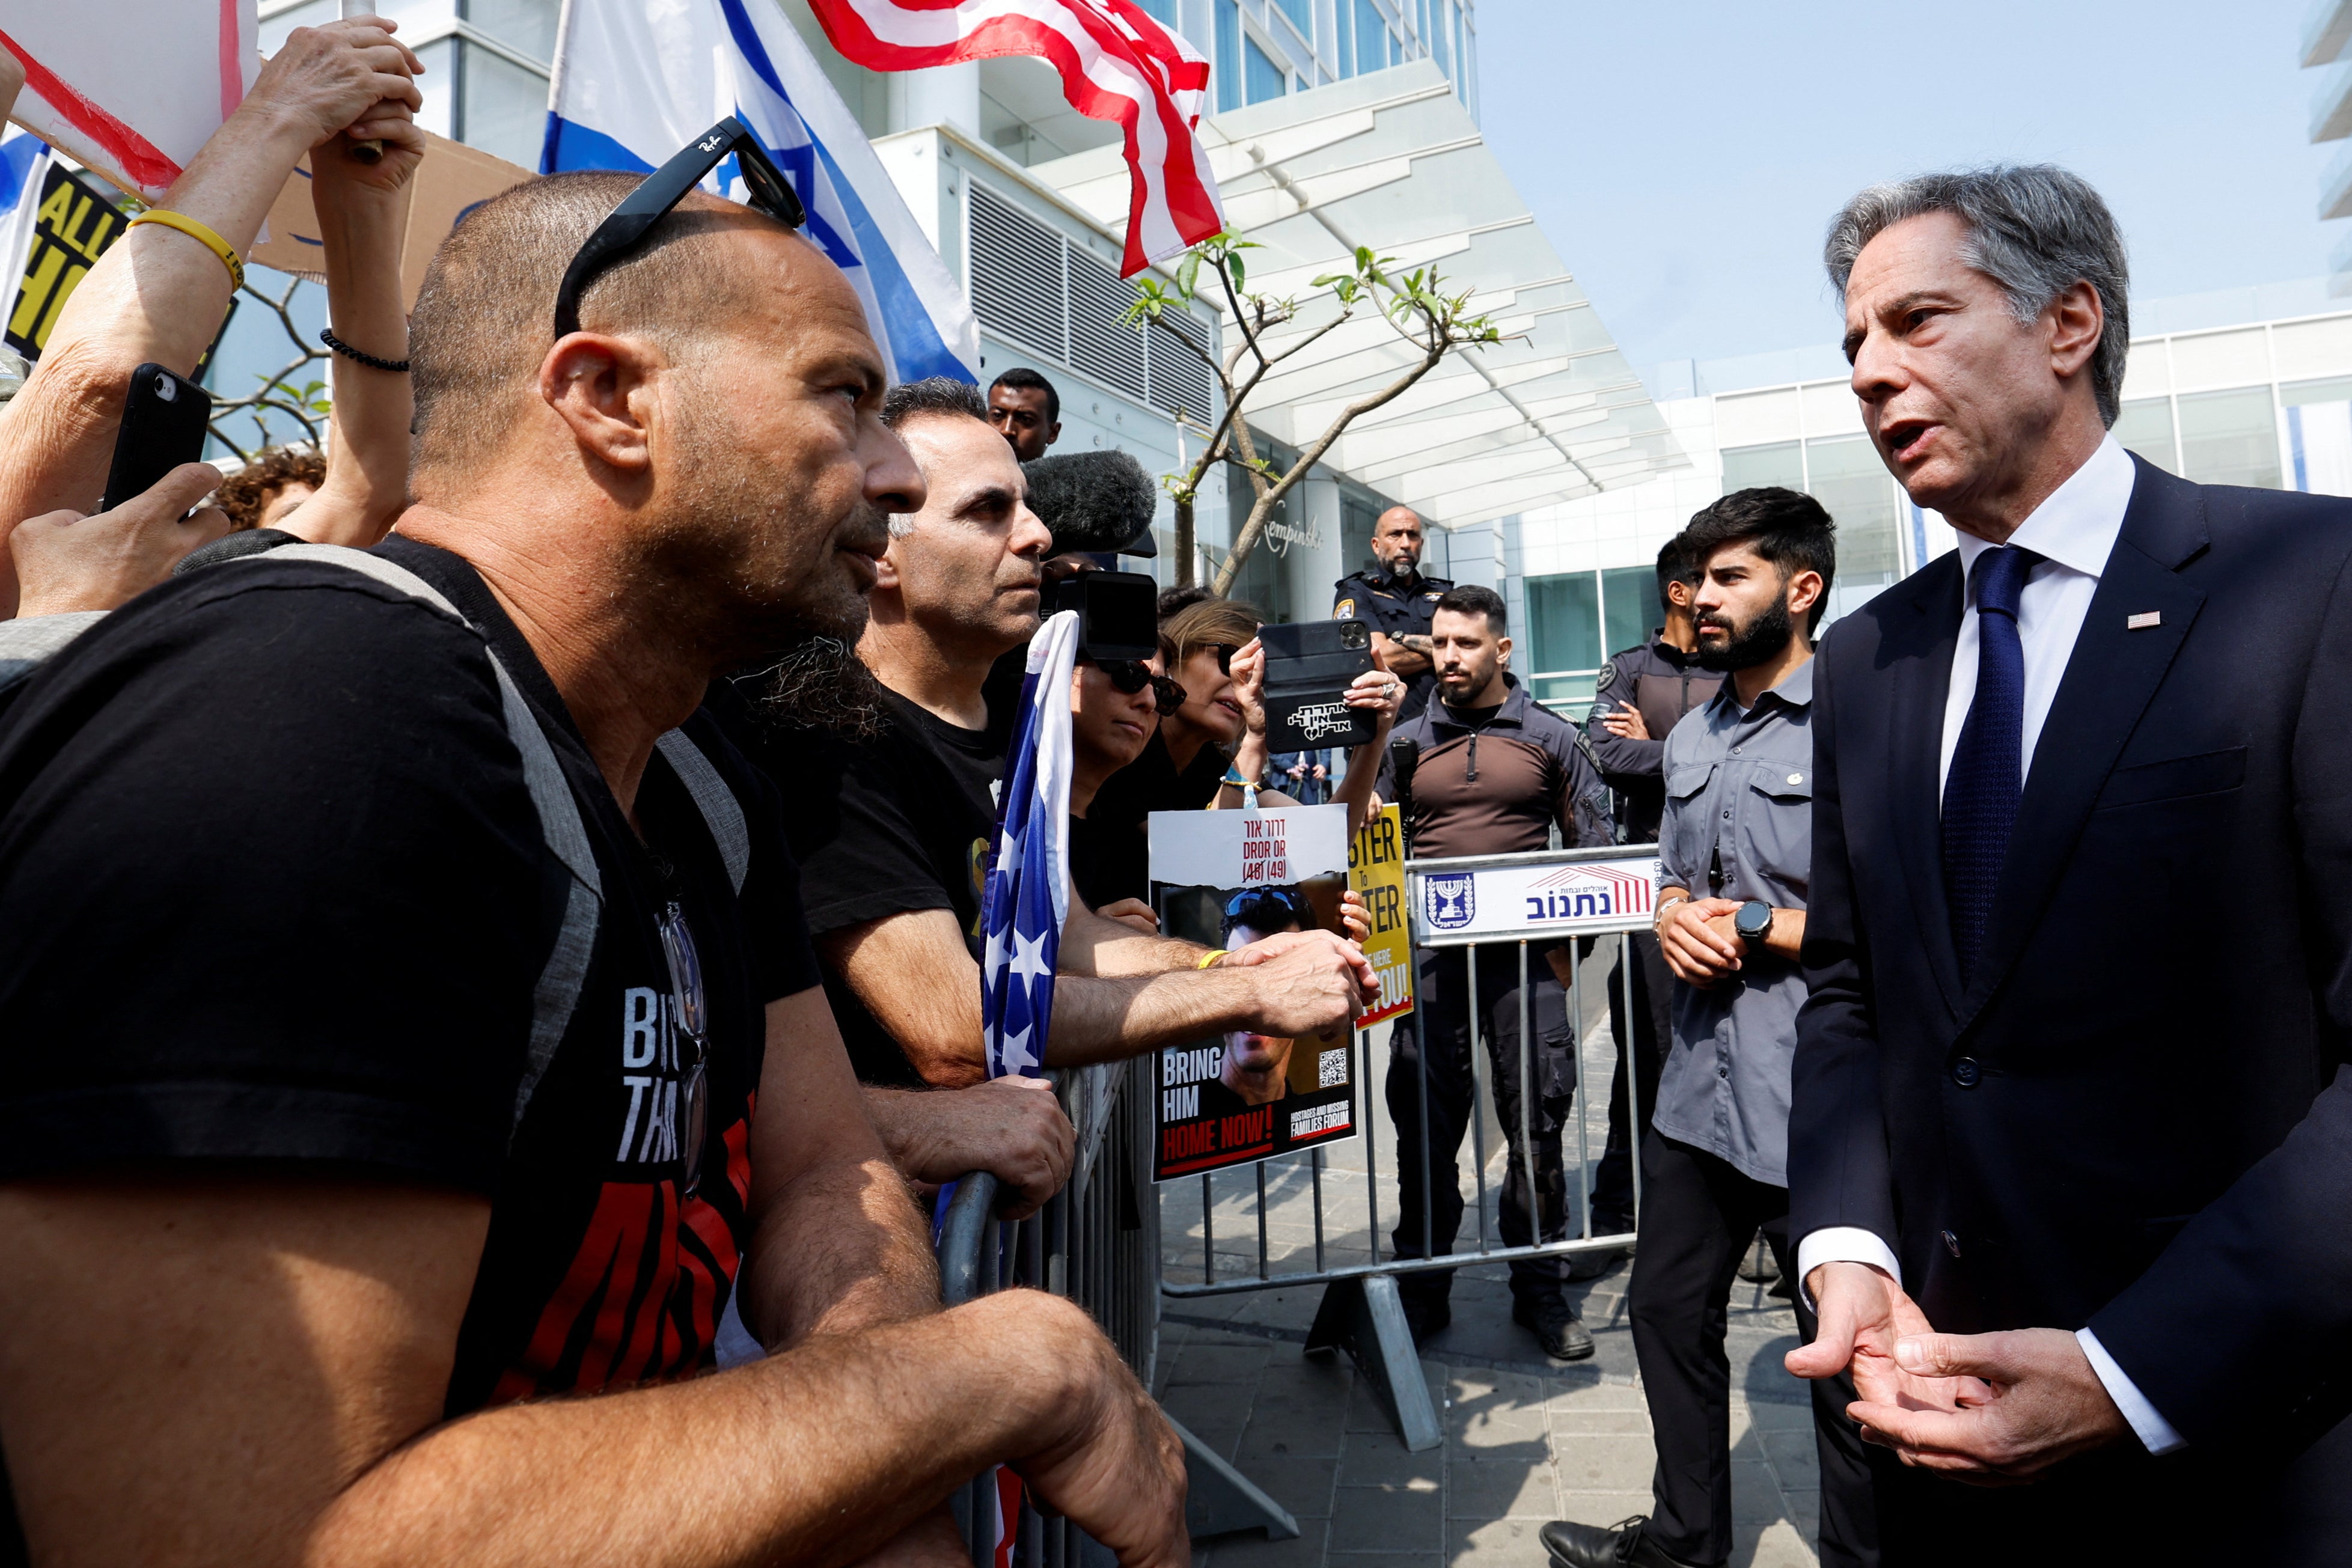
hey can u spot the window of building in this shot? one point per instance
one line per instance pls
(1229, 55)
(1847, 476)
(1265, 78)
(501, 108)
(1747, 468)
(1440, 35)
(1302, 15)
(528, 25)
(1372, 42)
(2145, 427)
(2319, 435)
(1576, 619)
(1161, 11)
(1343, 22)
(2230, 438)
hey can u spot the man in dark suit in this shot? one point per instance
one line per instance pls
(2071, 1144)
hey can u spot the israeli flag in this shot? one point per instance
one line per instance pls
(636, 79)
(24, 167)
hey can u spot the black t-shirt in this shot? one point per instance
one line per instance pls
(881, 827)
(275, 891)
(1120, 847)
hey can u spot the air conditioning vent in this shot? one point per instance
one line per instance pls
(1031, 284)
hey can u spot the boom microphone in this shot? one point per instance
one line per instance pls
(1095, 503)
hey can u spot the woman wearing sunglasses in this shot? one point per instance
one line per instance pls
(1116, 709)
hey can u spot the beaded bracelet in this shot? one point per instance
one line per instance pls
(327, 336)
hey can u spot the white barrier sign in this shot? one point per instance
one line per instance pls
(1509, 897)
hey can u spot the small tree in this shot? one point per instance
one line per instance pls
(1429, 321)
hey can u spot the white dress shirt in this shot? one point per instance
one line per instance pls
(2074, 532)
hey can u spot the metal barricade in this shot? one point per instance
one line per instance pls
(1097, 1243)
(1472, 902)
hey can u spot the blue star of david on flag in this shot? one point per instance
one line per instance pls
(1027, 896)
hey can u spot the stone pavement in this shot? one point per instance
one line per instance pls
(1526, 1439)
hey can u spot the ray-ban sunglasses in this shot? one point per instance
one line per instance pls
(662, 190)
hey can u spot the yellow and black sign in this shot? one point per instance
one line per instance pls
(1376, 870)
(77, 222)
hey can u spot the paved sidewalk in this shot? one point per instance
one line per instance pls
(1528, 1440)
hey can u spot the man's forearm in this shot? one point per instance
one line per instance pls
(1112, 1019)
(838, 1248)
(1094, 946)
(367, 458)
(814, 1457)
(1406, 656)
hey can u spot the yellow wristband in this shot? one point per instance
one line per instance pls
(1211, 956)
(202, 235)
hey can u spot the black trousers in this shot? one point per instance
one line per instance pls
(1698, 1213)
(1652, 1027)
(1430, 1130)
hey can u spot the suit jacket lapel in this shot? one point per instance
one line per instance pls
(2110, 678)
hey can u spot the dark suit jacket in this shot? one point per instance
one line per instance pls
(2135, 1113)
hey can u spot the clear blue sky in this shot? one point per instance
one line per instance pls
(1685, 158)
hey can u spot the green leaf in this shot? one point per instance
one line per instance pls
(1239, 273)
(1188, 275)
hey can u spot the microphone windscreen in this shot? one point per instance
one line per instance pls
(1093, 501)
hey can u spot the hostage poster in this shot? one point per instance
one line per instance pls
(1226, 879)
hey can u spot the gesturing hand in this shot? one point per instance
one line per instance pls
(1864, 1315)
(1306, 982)
(2041, 1402)
(1132, 912)
(67, 561)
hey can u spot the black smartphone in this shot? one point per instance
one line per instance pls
(163, 423)
(1310, 665)
(1118, 614)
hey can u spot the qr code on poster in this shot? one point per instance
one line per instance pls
(1334, 1067)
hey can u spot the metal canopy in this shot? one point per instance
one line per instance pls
(1394, 160)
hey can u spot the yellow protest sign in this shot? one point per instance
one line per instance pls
(1376, 872)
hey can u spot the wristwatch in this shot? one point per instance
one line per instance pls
(1752, 920)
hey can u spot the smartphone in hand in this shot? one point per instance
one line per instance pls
(163, 424)
(1310, 665)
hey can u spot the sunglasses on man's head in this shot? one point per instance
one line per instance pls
(627, 228)
(1128, 677)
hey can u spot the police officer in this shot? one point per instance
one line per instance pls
(1496, 773)
(1398, 601)
(1643, 692)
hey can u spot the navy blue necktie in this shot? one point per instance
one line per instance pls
(1981, 789)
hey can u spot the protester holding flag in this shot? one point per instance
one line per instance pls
(160, 294)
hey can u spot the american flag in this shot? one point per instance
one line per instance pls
(1027, 896)
(1116, 63)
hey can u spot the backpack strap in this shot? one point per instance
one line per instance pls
(27, 645)
(721, 812)
(565, 973)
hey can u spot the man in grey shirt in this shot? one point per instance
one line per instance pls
(1736, 848)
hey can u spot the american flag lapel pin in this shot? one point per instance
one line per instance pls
(2144, 620)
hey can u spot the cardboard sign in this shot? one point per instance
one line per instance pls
(1225, 879)
(1548, 893)
(73, 226)
(453, 180)
(1376, 870)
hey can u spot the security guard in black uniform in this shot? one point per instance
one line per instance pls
(1399, 602)
(1643, 692)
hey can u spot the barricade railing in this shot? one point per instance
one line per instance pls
(1478, 902)
(1097, 1243)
